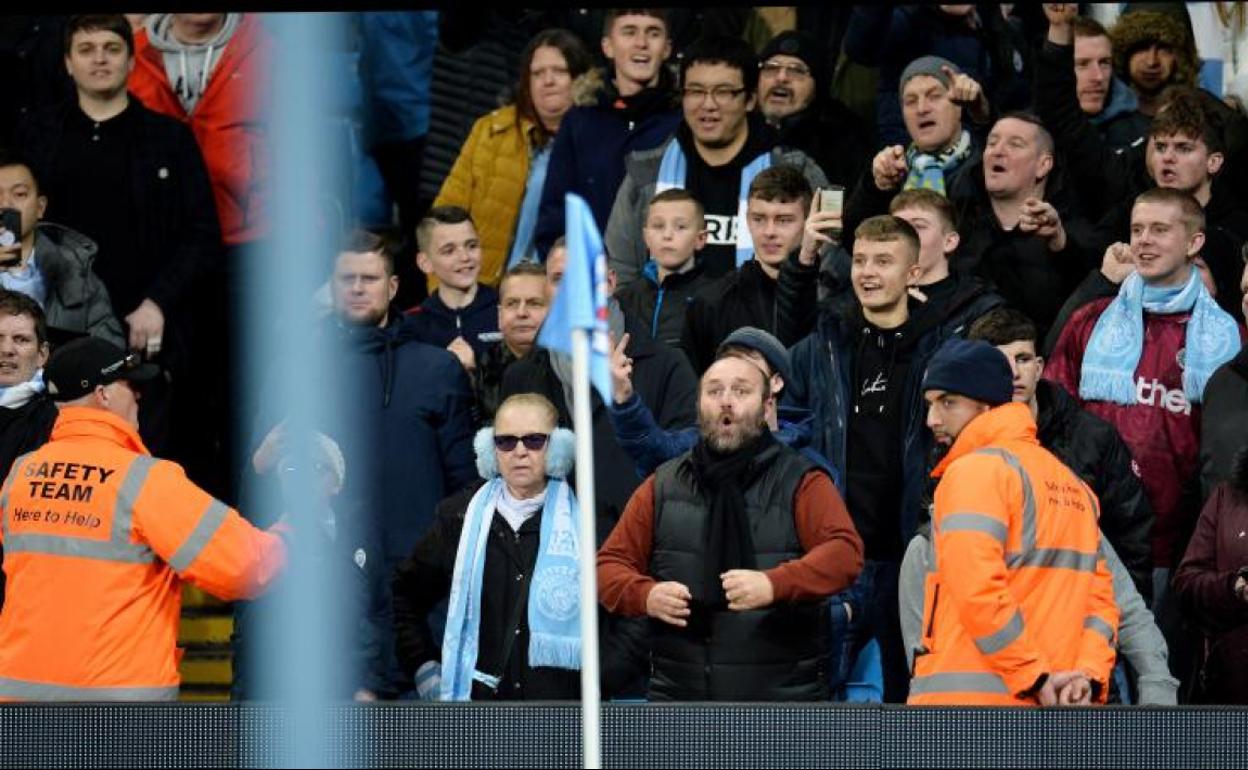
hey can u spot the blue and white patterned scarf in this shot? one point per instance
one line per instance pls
(1212, 339)
(673, 169)
(554, 594)
(927, 171)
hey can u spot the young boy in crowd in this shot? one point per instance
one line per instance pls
(461, 314)
(675, 231)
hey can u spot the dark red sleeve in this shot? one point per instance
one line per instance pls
(833, 549)
(623, 560)
(1206, 587)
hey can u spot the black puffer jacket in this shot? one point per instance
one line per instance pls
(1223, 422)
(1092, 448)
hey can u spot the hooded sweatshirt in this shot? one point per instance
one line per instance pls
(189, 65)
(873, 475)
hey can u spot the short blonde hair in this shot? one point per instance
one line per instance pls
(535, 400)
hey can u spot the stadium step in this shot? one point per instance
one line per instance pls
(204, 634)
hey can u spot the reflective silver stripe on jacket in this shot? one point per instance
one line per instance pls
(1063, 558)
(999, 640)
(61, 545)
(1093, 623)
(209, 522)
(958, 681)
(127, 494)
(974, 522)
(1029, 495)
(18, 689)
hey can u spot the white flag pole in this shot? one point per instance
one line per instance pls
(583, 427)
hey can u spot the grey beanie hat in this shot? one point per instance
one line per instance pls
(930, 66)
(765, 344)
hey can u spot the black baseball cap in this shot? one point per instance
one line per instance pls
(77, 367)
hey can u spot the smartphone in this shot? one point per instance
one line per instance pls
(832, 199)
(11, 221)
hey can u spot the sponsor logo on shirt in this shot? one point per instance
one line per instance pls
(721, 230)
(1153, 393)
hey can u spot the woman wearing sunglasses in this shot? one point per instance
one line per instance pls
(506, 556)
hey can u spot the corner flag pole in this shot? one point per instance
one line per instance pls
(583, 428)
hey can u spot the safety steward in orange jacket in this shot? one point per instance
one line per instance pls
(98, 536)
(226, 120)
(1020, 607)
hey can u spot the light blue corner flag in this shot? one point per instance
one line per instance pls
(582, 299)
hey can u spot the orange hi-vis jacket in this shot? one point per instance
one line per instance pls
(97, 536)
(1020, 586)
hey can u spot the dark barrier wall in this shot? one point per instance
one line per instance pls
(548, 736)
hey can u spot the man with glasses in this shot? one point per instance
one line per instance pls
(793, 97)
(715, 154)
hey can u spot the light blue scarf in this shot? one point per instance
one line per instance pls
(673, 169)
(526, 223)
(19, 395)
(554, 594)
(927, 171)
(1113, 353)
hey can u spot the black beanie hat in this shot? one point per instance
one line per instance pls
(973, 369)
(801, 45)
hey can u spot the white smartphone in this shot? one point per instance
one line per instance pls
(832, 199)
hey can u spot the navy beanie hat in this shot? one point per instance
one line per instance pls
(973, 369)
(764, 344)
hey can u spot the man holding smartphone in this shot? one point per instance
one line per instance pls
(50, 263)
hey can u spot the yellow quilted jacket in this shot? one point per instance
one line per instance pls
(488, 180)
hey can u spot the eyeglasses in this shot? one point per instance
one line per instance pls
(773, 69)
(719, 95)
(532, 442)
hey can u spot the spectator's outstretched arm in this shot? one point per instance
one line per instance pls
(797, 295)
(1102, 176)
(636, 430)
(204, 540)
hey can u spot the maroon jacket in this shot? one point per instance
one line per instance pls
(1205, 583)
(1162, 429)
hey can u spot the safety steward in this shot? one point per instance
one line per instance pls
(1020, 608)
(98, 536)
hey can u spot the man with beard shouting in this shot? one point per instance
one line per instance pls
(733, 549)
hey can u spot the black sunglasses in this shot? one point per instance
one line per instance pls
(532, 441)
